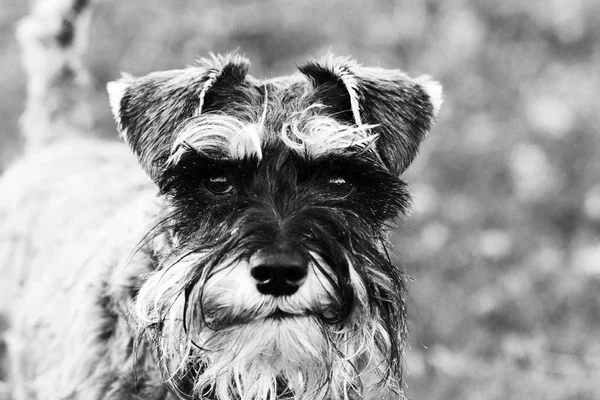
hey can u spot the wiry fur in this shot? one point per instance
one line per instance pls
(231, 347)
(119, 286)
(305, 132)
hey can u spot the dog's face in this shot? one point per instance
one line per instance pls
(273, 280)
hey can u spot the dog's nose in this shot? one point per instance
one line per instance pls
(279, 274)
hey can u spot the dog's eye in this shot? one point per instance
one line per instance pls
(339, 186)
(219, 184)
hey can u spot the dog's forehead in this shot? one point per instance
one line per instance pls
(280, 113)
(281, 100)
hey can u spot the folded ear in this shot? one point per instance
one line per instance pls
(148, 110)
(402, 109)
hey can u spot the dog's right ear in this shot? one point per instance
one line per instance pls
(148, 110)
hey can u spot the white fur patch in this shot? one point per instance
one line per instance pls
(116, 90)
(218, 133)
(231, 292)
(253, 356)
(318, 134)
(212, 77)
(434, 90)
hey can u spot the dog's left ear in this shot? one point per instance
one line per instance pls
(402, 108)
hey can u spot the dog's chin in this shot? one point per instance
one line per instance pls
(251, 360)
(280, 339)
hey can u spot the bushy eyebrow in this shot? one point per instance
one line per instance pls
(212, 134)
(308, 131)
(304, 132)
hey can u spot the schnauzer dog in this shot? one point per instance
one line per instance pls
(246, 259)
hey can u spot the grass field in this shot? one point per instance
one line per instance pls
(504, 239)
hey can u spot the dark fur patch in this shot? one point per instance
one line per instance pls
(65, 35)
(329, 90)
(402, 110)
(80, 5)
(3, 352)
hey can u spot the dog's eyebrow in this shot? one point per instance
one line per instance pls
(217, 133)
(312, 134)
(192, 161)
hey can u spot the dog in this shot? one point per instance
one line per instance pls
(240, 252)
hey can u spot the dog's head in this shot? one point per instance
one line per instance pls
(275, 281)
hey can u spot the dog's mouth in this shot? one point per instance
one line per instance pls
(280, 315)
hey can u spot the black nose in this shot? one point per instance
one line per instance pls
(278, 274)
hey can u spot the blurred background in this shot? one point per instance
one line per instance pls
(504, 239)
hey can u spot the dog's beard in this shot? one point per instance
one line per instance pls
(220, 338)
(250, 361)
